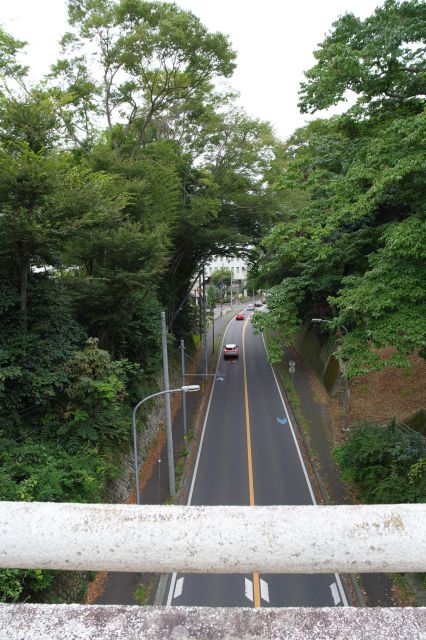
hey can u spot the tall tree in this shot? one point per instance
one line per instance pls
(350, 245)
(381, 59)
(150, 56)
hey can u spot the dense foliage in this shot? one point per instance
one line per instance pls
(351, 243)
(386, 464)
(120, 175)
(126, 170)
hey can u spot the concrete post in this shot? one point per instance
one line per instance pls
(182, 362)
(170, 455)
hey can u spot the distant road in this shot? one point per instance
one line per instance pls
(249, 455)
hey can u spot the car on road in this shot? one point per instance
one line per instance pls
(258, 304)
(230, 351)
(251, 307)
(240, 316)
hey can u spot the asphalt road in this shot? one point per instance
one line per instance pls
(249, 455)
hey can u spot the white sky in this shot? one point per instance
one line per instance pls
(274, 40)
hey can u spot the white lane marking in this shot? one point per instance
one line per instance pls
(308, 482)
(335, 593)
(171, 590)
(174, 575)
(341, 590)
(178, 588)
(264, 590)
(248, 589)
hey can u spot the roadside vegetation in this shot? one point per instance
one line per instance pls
(126, 169)
(120, 174)
(351, 244)
(385, 464)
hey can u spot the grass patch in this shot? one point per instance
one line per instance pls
(142, 592)
(293, 397)
(180, 464)
(404, 594)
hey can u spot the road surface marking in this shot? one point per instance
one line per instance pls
(282, 420)
(264, 590)
(335, 593)
(178, 588)
(194, 475)
(248, 589)
(308, 482)
(256, 585)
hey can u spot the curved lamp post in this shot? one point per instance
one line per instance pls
(346, 408)
(185, 389)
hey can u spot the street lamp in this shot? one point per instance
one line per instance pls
(188, 388)
(346, 403)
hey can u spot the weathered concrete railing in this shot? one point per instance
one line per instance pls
(161, 539)
(313, 539)
(73, 622)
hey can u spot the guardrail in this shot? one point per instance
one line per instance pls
(282, 539)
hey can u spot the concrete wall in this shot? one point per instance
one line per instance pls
(317, 350)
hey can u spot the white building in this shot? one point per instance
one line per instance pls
(238, 266)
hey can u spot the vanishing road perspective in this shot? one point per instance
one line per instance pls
(249, 455)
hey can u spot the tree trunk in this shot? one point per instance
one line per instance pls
(24, 288)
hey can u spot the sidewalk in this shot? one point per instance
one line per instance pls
(315, 430)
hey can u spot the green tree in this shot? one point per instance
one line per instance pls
(380, 58)
(212, 296)
(349, 246)
(223, 275)
(151, 55)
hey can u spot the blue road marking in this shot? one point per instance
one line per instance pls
(282, 420)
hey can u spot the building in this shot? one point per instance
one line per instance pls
(237, 265)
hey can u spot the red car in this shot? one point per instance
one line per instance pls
(230, 351)
(240, 316)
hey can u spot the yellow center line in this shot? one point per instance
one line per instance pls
(256, 583)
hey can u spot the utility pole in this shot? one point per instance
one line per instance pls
(205, 325)
(200, 304)
(170, 455)
(182, 364)
(213, 332)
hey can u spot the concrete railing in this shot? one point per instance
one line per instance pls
(161, 539)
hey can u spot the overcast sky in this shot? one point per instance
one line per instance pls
(274, 40)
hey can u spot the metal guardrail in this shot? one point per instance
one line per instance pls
(391, 422)
(283, 539)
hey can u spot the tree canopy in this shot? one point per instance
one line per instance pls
(350, 245)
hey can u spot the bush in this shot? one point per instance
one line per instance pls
(386, 464)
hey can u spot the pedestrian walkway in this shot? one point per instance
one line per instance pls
(316, 433)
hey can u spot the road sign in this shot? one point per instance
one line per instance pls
(292, 369)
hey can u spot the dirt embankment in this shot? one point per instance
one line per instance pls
(377, 396)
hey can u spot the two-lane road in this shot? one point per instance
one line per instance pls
(249, 455)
